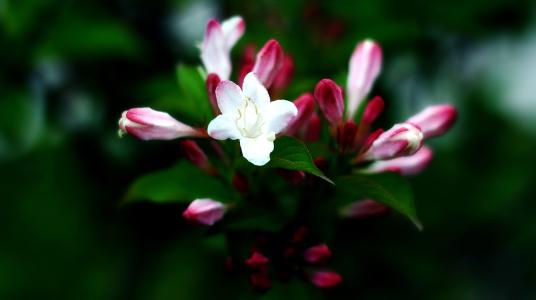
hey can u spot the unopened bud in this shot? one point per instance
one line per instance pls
(148, 124)
(194, 153)
(435, 120)
(406, 165)
(318, 254)
(329, 97)
(346, 135)
(257, 261)
(269, 62)
(401, 140)
(204, 211)
(305, 104)
(313, 128)
(325, 279)
(372, 111)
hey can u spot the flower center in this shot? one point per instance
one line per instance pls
(249, 121)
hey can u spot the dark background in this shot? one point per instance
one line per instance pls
(69, 68)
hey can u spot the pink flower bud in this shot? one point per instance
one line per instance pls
(269, 62)
(212, 82)
(284, 77)
(313, 128)
(364, 209)
(401, 140)
(346, 136)
(329, 97)
(365, 66)
(204, 211)
(247, 62)
(318, 254)
(321, 163)
(406, 165)
(372, 111)
(257, 261)
(148, 124)
(215, 53)
(325, 279)
(194, 153)
(306, 107)
(233, 29)
(435, 120)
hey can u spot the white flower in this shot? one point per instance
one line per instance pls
(248, 115)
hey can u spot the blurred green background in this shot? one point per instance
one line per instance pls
(69, 68)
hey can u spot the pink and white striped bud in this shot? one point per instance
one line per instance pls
(306, 107)
(435, 120)
(401, 140)
(194, 153)
(212, 82)
(364, 209)
(325, 279)
(406, 165)
(329, 97)
(145, 123)
(204, 211)
(217, 44)
(365, 65)
(269, 62)
(318, 254)
(372, 111)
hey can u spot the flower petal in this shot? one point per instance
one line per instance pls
(233, 29)
(257, 151)
(365, 65)
(223, 127)
(254, 90)
(214, 51)
(277, 115)
(229, 97)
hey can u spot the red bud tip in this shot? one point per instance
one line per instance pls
(293, 177)
(284, 77)
(257, 261)
(318, 254)
(326, 279)
(372, 111)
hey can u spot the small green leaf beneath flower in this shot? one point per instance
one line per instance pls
(291, 154)
(388, 188)
(182, 183)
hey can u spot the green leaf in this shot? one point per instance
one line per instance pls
(194, 100)
(291, 154)
(389, 188)
(182, 183)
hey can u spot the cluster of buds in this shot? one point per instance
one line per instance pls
(295, 257)
(244, 111)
